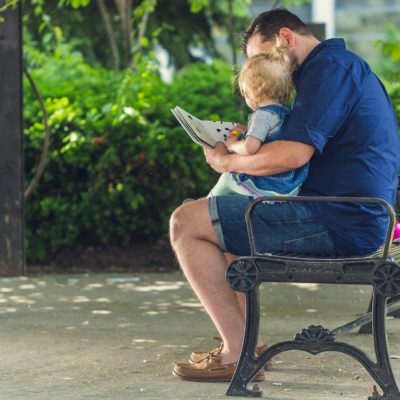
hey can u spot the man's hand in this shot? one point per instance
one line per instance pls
(218, 157)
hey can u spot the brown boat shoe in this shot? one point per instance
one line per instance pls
(210, 370)
(198, 356)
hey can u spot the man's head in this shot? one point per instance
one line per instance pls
(291, 30)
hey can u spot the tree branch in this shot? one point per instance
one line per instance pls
(9, 4)
(46, 141)
(110, 34)
(149, 6)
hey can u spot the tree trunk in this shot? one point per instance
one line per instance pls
(231, 33)
(124, 8)
(110, 34)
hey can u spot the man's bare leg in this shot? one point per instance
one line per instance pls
(196, 245)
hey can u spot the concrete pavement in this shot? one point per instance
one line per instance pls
(117, 337)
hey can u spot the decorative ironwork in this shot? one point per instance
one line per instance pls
(387, 280)
(242, 275)
(315, 334)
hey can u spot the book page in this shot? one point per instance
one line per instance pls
(203, 132)
(199, 136)
(218, 130)
(196, 126)
(189, 130)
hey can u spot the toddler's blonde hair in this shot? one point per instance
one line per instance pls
(267, 75)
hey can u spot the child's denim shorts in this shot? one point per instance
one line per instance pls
(283, 226)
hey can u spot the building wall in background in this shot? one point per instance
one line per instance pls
(362, 22)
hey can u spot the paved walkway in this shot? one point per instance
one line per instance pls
(117, 336)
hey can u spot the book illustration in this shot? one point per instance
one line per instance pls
(206, 133)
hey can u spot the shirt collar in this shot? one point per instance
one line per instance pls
(326, 44)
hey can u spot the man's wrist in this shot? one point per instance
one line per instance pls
(228, 161)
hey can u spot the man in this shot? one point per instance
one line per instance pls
(343, 123)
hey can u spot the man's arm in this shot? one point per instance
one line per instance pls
(272, 158)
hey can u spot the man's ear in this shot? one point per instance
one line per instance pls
(287, 37)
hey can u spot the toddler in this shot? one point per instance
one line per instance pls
(265, 81)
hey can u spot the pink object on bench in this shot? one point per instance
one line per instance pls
(396, 233)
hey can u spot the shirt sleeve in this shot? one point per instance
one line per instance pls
(325, 96)
(261, 123)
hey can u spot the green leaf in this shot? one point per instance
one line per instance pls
(144, 42)
(198, 5)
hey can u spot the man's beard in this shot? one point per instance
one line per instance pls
(294, 61)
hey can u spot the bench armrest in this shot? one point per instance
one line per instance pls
(336, 199)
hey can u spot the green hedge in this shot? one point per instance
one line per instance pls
(119, 163)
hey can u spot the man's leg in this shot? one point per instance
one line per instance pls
(196, 246)
(199, 245)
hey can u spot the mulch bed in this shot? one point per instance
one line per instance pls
(136, 257)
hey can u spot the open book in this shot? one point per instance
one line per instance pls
(205, 133)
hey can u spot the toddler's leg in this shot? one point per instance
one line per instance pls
(226, 185)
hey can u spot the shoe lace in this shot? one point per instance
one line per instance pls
(215, 355)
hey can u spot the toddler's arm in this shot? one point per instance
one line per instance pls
(245, 147)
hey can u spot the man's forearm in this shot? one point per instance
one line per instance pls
(256, 164)
(272, 158)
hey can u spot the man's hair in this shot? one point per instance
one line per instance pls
(270, 22)
(267, 76)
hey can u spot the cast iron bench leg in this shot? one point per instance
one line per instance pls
(315, 340)
(383, 372)
(248, 366)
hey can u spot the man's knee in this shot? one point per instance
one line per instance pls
(191, 220)
(178, 223)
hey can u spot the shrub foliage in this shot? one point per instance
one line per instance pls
(119, 163)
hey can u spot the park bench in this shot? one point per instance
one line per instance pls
(380, 270)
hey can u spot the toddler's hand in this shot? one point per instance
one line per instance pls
(230, 140)
(239, 127)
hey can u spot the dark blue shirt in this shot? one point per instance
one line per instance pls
(343, 110)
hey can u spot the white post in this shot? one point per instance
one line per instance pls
(323, 11)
